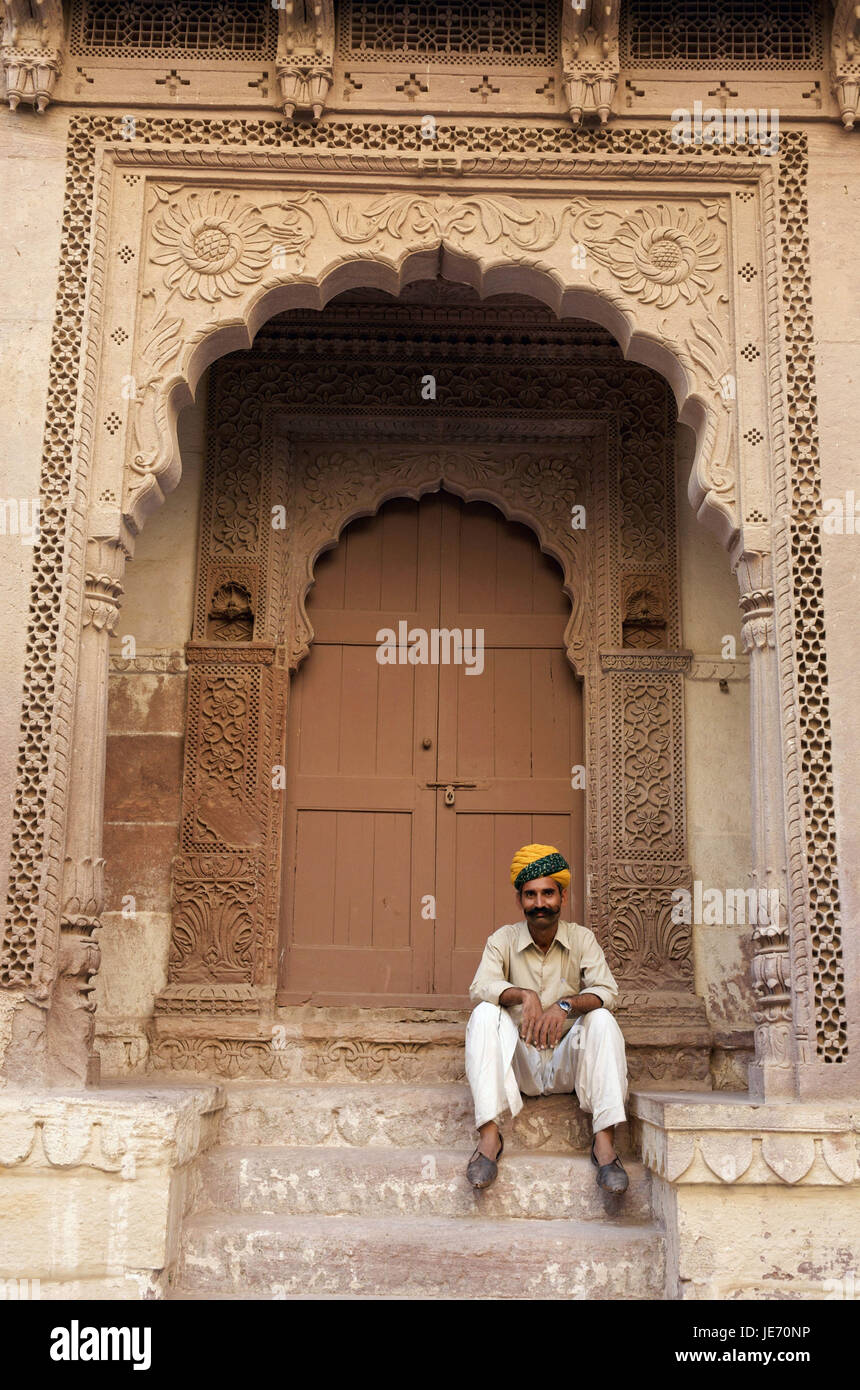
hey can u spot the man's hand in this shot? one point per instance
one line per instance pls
(532, 1015)
(549, 1027)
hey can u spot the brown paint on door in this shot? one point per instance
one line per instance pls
(366, 839)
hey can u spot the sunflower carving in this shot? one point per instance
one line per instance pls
(215, 246)
(660, 253)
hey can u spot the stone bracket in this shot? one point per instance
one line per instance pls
(31, 50)
(590, 59)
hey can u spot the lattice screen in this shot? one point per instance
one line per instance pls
(226, 29)
(449, 31)
(731, 33)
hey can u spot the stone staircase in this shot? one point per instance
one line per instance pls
(358, 1190)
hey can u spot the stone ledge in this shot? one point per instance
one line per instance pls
(729, 1138)
(112, 1128)
(94, 1184)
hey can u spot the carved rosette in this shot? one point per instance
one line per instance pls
(211, 254)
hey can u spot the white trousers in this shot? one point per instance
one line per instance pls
(589, 1060)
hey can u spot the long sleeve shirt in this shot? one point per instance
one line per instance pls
(574, 964)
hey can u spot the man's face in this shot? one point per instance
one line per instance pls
(541, 901)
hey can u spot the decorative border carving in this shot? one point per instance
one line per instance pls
(30, 938)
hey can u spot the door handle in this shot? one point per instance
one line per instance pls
(450, 789)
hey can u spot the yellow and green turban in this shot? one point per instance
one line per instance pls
(539, 861)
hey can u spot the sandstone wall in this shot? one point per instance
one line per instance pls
(146, 727)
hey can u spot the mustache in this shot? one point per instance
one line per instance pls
(540, 912)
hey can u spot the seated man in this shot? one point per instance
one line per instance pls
(533, 1031)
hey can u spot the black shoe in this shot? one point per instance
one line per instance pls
(612, 1177)
(482, 1170)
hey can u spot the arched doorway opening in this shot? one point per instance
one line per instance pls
(322, 425)
(433, 727)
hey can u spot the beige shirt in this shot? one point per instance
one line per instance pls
(573, 964)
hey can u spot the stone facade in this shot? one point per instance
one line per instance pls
(191, 200)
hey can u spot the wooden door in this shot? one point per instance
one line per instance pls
(516, 731)
(368, 840)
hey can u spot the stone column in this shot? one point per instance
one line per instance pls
(71, 1020)
(772, 1074)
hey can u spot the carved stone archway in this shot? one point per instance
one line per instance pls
(277, 430)
(676, 255)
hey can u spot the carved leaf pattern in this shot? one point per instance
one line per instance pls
(213, 919)
(512, 221)
(645, 946)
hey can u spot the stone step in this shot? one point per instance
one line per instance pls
(411, 1182)
(435, 1257)
(413, 1117)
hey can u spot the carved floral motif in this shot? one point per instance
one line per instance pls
(218, 245)
(513, 222)
(661, 252)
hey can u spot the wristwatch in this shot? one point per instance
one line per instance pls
(566, 1005)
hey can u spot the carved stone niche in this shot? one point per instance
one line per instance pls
(230, 616)
(644, 606)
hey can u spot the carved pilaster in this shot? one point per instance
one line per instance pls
(305, 63)
(772, 1073)
(71, 1022)
(589, 47)
(31, 50)
(224, 889)
(845, 59)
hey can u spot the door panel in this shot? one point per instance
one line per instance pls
(360, 833)
(515, 730)
(366, 836)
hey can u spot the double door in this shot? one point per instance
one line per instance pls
(411, 781)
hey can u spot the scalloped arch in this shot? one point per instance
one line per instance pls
(567, 557)
(713, 466)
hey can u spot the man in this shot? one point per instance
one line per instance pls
(543, 1022)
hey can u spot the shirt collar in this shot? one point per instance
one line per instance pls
(524, 936)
